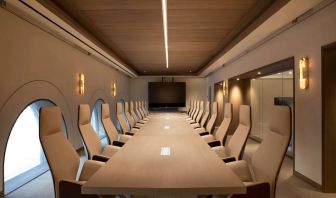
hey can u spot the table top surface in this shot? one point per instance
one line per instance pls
(166, 157)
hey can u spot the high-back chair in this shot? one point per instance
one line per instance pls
(204, 117)
(121, 118)
(262, 174)
(90, 138)
(200, 113)
(133, 113)
(191, 109)
(62, 158)
(147, 108)
(131, 121)
(194, 115)
(210, 123)
(144, 109)
(109, 127)
(219, 137)
(139, 112)
(236, 145)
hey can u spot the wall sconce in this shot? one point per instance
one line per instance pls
(81, 84)
(224, 88)
(114, 89)
(304, 64)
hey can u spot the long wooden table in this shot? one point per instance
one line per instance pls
(143, 166)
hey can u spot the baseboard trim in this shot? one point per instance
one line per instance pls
(309, 181)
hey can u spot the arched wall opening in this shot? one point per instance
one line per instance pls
(24, 157)
(21, 98)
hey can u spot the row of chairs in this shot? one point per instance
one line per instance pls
(260, 176)
(63, 159)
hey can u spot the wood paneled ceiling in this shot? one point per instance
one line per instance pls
(198, 30)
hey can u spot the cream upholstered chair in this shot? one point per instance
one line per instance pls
(134, 115)
(261, 175)
(194, 115)
(219, 137)
(236, 145)
(204, 117)
(125, 125)
(62, 157)
(130, 119)
(191, 109)
(211, 122)
(139, 112)
(145, 109)
(109, 127)
(199, 115)
(90, 138)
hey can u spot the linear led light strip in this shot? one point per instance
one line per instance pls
(165, 28)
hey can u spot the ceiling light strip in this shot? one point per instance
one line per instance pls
(165, 28)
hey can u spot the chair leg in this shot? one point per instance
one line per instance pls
(257, 191)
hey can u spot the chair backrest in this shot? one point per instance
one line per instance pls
(130, 119)
(143, 108)
(213, 117)
(236, 145)
(206, 114)
(111, 131)
(189, 109)
(132, 110)
(62, 158)
(90, 138)
(121, 118)
(267, 160)
(196, 110)
(221, 132)
(137, 110)
(200, 112)
(146, 107)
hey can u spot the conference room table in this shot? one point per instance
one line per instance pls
(165, 158)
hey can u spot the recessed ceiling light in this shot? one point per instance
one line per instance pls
(259, 73)
(165, 28)
(237, 79)
(279, 73)
(253, 78)
(290, 72)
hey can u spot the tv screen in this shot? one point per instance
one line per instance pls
(166, 94)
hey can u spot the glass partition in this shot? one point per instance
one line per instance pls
(266, 91)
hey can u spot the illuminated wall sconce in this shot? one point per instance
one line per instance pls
(304, 67)
(81, 84)
(114, 89)
(224, 88)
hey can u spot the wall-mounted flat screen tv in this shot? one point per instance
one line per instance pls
(166, 94)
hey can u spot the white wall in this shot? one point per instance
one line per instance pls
(36, 65)
(304, 39)
(196, 88)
